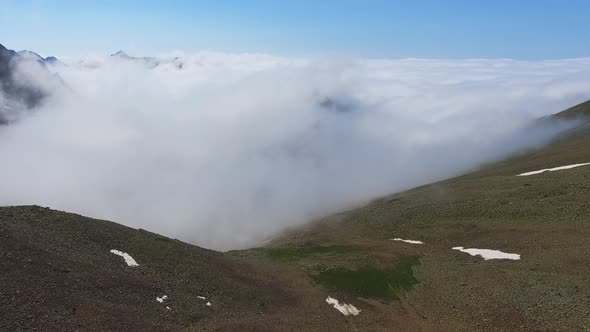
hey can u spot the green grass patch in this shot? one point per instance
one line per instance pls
(370, 282)
(293, 254)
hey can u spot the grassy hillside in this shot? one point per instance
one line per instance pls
(545, 218)
(582, 109)
(58, 274)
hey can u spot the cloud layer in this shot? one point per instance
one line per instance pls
(234, 147)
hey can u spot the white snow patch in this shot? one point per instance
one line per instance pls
(167, 307)
(553, 169)
(204, 298)
(408, 241)
(345, 309)
(128, 259)
(161, 299)
(488, 254)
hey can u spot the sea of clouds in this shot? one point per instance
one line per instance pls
(226, 149)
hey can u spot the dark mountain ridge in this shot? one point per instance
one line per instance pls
(30, 55)
(20, 95)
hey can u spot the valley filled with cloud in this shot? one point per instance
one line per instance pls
(223, 150)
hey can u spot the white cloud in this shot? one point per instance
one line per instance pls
(235, 147)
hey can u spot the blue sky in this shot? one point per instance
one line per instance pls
(428, 29)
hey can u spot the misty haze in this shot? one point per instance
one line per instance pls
(223, 150)
(423, 169)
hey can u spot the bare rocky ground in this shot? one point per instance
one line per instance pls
(57, 272)
(58, 275)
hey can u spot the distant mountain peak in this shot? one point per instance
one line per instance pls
(149, 61)
(52, 60)
(121, 54)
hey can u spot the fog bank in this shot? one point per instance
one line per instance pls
(223, 150)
